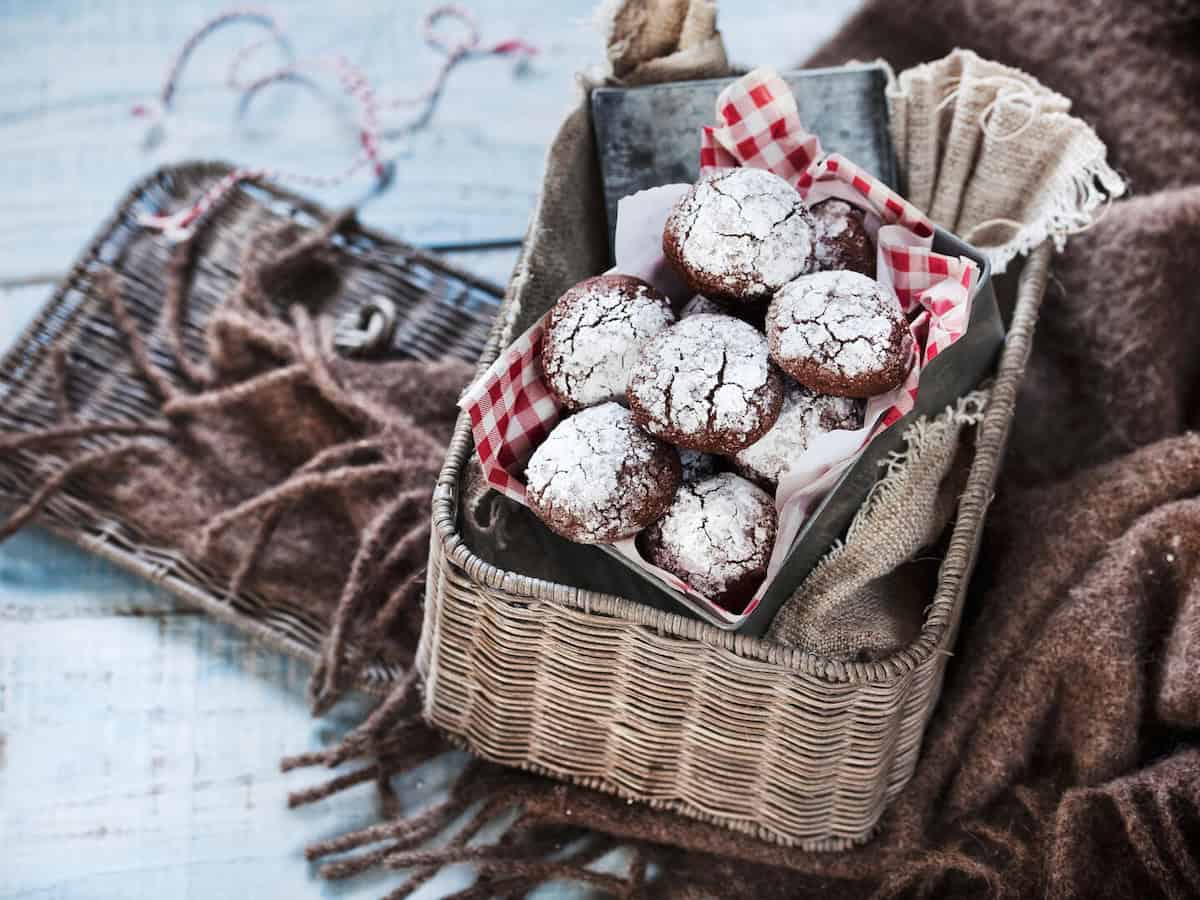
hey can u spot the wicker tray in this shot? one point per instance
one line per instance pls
(644, 703)
(442, 312)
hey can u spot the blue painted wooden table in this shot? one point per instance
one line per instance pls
(139, 742)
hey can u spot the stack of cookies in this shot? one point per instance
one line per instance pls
(685, 420)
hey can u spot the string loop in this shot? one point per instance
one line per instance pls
(353, 82)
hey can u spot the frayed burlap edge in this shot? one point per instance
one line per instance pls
(970, 133)
(845, 609)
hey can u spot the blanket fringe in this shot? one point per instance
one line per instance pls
(483, 797)
(278, 260)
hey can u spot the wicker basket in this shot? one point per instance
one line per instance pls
(620, 696)
(442, 312)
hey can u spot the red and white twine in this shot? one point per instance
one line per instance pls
(352, 81)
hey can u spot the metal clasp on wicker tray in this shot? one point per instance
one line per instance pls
(366, 330)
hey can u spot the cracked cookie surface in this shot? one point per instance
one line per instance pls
(740, 235)
(804, 416)
(598, 478)
(842, 240)
(595, 332)
(706, 383)
(717, 536)
(840, 333)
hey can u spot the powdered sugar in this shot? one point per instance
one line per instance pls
(745, 232)
(706, 383)
(596, 332)
(843, 320)
(804, 416)
(718, 532)
(598, 477)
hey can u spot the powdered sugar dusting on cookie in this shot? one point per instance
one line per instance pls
(598, 477)
(706, 383)
(804, 416)
(595, 334)
(742, 233)
(717, 536)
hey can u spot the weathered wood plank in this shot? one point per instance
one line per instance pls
(141, 744)
(73, 70)
(18, 306)
(72, 73)
(494, 265)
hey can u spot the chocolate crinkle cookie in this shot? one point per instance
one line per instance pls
(740, 235)
(595, 332)
(706, 383)
(842, 240)
(717, 536)
(840, 333)
(805, 415)
(598, 478)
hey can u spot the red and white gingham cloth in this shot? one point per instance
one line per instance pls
(512, 411)
(761, 128)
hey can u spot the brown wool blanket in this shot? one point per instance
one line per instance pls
(1064, 758)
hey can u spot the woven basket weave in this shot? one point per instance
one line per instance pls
(442, 312)
(620, 696)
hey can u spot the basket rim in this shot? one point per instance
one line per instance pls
(942, 613)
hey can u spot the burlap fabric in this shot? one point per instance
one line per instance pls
(866, 597)
(662, 40)
(994, 156)
(658, 40)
